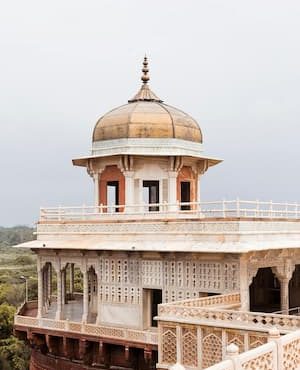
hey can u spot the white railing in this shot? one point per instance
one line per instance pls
(214, 209)
(141, 336)
(223, 311)
(279, 354)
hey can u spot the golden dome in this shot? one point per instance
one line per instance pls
(146, 116)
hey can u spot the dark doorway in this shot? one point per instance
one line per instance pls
(156, 299)
(185, 195)
(294, 291)
(151, 194)
(112, 196)
(265, 291)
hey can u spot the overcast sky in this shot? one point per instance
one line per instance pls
(233, 65)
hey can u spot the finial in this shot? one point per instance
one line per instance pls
(145, 78)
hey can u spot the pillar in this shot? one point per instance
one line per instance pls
(85, 296)
(45, 285)
(198, 190)
(49, 283)
(63, 286)
(284, 295)
(96, 188)
(98, 319)
(172, 191)
(40, 292)
(72, 280)
(58, 315)
(129, 191)
(284, 274)
(244, 284)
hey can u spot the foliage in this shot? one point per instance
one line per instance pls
(14, 263)
(14, 354)
(6, 320)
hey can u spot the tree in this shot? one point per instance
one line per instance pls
(6, 320)
(14, 354)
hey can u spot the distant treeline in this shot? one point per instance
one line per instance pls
(15, 235)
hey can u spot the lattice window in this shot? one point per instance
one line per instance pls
(194, 275)
(119, 271)
(106, 271)
(152, 273)
(291, 355)
(256, 341)
(237, 339)
(112, 271)
(211, 350)
(173, 274)
(189, 347)
(231, 281)
(180, 274)
(113, 294)
(169, 346)
(125, 271)
(262, 362)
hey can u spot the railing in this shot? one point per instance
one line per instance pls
(212, 311)
(220, 301)
(215, 209)
(132, 335)
(292, 311)
(280, 353)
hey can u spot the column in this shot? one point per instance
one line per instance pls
(98, 318)
(198, 190)
(40, 292)
(49, 283)
(58, 315)
(85, 296)
(72, 280)
(96, 188)
(63, 287)
(45, 273)
(284, 274)
(129, 191)
(244, 284)
(172, 191)
(284, 295)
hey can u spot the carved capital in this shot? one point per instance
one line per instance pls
(285, 271)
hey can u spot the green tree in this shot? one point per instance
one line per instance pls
(6, 320)
(14, 354)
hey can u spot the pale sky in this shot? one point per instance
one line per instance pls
(233, 65)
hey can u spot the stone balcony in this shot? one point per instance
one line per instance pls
(224, 226)
(26, 319)
(195, 333)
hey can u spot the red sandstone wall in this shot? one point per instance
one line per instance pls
(187, 174)
(111, 173)
(44, 362)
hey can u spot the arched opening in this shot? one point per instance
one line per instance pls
(294, 291)
(265, 291)
(93, 295)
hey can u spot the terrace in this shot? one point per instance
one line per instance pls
(196, 333)
(225, 209)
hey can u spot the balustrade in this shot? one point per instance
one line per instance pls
(213, 209)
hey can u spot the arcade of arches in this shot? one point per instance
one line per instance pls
(68, 291)
(272, 291)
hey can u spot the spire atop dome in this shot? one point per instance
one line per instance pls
(145, 94)
(145, 77)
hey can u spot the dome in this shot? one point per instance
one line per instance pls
(146, 116)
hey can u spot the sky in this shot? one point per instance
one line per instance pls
(233, 65)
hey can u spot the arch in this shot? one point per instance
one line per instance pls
(265, 291)
(294, 290)
(187, 176)
(93, 294)
(112, 174)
